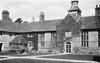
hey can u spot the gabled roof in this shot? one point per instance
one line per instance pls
(65, 24)
(72, 24)
(48, 25)
(69, 24)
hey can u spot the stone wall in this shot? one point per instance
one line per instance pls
(92, 47)
(46, 42)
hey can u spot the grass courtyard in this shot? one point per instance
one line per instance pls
(53, 58)
(33, 61)
(30, 58)
(70, 56)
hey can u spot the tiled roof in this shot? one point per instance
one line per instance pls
(48, 25)
(90, 22)
(69, 24)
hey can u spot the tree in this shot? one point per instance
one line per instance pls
(18, 20)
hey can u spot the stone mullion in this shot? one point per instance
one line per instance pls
(53, 39)
(98, 38)
(82, 38)
(87, 40)
(43, 42)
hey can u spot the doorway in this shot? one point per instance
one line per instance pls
(68, 48)
(0, 47)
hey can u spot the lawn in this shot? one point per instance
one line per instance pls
(69, 56)
(2, 57)
(15, 54)
(32, 61)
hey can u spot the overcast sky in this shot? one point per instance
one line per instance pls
(54, 9)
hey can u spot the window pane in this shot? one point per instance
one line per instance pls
(47, 36)
(30, 44)
(93, 36)
(84, 39)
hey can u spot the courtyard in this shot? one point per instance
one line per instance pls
(54, 58)
(34, 61)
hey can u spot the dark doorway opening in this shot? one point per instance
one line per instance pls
(0, 47)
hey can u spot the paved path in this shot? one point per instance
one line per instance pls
(49, 59)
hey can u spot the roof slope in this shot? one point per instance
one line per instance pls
(90, 22)
(48, 25)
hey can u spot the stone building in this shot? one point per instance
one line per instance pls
(74, 34)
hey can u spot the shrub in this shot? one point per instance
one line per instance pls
(76, 49)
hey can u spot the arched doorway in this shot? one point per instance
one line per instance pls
(68, 47)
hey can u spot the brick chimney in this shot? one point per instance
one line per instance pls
(97, 10)
(5, 16)
(42, 17)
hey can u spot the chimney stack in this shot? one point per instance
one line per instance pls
(42, 17)
(33, 19)
(5, 16)
(97, 10)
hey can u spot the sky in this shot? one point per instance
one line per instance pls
(53, 9)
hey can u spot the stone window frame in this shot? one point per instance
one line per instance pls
(84, 39)
(68, 46)
(30, 44)
(99, 39)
